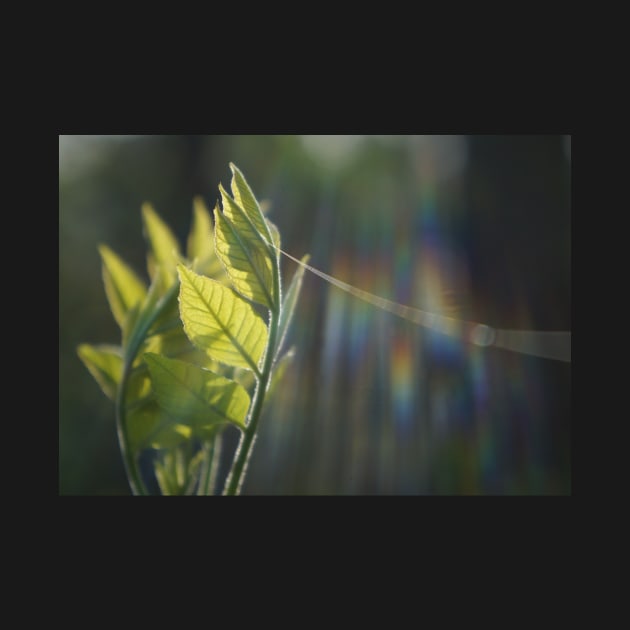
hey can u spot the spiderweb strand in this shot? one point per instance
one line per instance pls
(547, 344)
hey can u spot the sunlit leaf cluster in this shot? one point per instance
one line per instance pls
(195, 348)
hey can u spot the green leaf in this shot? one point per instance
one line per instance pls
(174, 344)
(105, 363)
(123, 287)
(138, 386)
(289, 302)
(148, 425)
(164, 250)
(245, 198)
(200, 243)
(220, 322)
(201, 250)
(195, 396)
(245, 256)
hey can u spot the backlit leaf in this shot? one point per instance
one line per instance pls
(245, 198)
(105, 363)
(218, 321)
(197, 397)
(200, 249)
(246, 258)
(163, 246)
(200, 238)
(123, 287)
(174, 344)
(138, 386)
(149, 426)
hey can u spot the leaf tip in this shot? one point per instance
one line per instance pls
(218, 215)
(181, 270)
(147, 209)
(224, 194)
(105, 251)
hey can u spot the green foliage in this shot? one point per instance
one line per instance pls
(163, 247)
(193, 348)
(198, 397)
(219, 322)
(105, 364)
(123, 288)
(200, 248)
(247, 261)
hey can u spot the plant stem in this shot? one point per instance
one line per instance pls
(236, 476)
(243, 452)
(136, 338)
(131, 464)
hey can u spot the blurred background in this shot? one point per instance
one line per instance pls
(474, 226)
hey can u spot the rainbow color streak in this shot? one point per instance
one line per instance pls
(386, 398)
